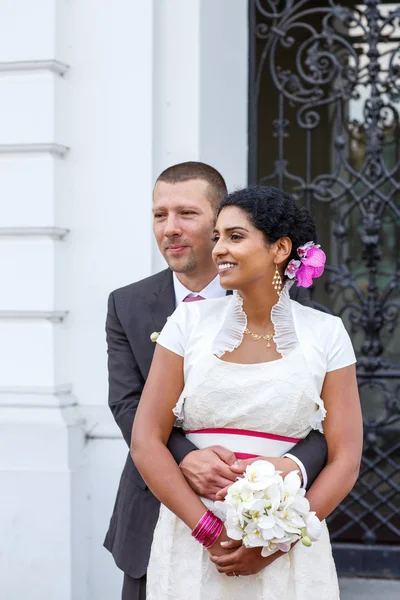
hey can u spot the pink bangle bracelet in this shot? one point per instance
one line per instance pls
(208, 529)
(214, 534)
(206, 520)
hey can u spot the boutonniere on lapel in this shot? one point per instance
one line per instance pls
(156, 334)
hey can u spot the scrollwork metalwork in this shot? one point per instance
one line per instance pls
(340, 56)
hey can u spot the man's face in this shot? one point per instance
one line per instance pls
(183, 224)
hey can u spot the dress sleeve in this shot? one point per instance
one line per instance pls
(174, 333)
(341, 353)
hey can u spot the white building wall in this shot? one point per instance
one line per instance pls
(41, 431)
(200, 87)
(96, 98)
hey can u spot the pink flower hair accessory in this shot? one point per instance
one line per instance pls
(310, 266)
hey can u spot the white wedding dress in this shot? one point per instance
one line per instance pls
(278, 397)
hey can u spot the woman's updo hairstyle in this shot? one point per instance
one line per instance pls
(276, 214)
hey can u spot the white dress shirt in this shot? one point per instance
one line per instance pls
(211, 291)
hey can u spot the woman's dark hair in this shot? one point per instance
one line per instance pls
(276, 214)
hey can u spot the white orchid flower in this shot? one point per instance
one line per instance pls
(260, 474)
(255, 507)
(253, 535)
(295, 519)
(241, 487)
(313, 526)
(264, 510)
(300, 504)
(284, 546)
(291, 483)
(269, 549)
(233, 527)
(266, 522)
(272, 495)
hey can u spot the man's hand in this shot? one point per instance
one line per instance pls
(209, 470)
(286, 465)
(242, 561)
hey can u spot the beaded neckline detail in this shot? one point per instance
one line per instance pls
(234, 325)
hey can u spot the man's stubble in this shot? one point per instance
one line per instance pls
(188, 266)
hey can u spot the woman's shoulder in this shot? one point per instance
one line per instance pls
(218, 323)
(193, 322)
(203, 313)
(325, 332)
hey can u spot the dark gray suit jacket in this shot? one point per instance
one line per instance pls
(134, 313)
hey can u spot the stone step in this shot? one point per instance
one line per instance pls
(369, 589)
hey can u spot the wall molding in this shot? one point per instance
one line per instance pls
(99, 422)
(42, 148)
(52, 65)
(33, 315)
(55, 233)
(37, 396)
(103, 431)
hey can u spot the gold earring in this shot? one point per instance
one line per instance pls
(277, 281)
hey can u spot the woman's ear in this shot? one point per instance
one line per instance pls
(283, 249)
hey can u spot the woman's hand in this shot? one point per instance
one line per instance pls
(242, 561)
(224, 545)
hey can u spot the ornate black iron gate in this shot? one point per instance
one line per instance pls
(324, 112)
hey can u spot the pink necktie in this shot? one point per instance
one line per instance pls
(193, 298)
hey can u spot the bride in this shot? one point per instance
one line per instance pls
(253, 371)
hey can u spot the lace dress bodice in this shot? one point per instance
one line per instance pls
(275, 397)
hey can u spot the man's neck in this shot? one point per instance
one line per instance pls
(195, 282)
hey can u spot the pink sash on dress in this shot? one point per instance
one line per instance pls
(243, 442)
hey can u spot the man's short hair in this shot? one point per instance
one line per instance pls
(187, 171)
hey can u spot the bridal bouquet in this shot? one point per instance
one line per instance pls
(265, 510)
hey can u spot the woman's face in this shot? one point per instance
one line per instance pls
(240, 252)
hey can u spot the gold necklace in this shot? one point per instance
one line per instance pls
(267, 337)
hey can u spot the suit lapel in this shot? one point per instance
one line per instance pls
(161, 304)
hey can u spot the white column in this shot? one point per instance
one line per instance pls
(106, 186)
(41, 431)
(76, 172)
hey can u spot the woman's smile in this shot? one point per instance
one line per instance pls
(225, 267)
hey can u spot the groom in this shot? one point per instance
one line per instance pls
(185, 202)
